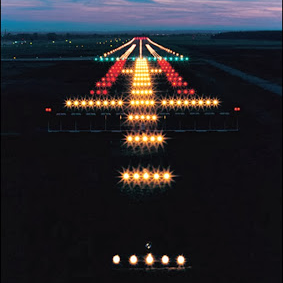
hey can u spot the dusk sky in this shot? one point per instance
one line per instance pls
(119, 15)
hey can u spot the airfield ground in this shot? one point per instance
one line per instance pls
(63, 215)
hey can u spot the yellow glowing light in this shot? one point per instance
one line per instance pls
(154, 117)
(215, 102)
(171, 102)
(145, 176)
(133, 260)
(186, 102)
(112, 102)
(200, 102)
(98, 102)
(147, 117)
(152, 138)
(116, 259)
(144, 138)
(132, 102)
(137, 138)
(156, 176)
(149, 259)
(129, 138)
(90, 103)
(131, 117)
(166, 176)
(136, 176)
(126, 176)
(160, 138)
(164, 102)
(105, 103)
(69, 103)
(120, 102)
(194, 102)
(165, 259)
(137, 117)
(207, 102)
(142, 117)
(76, 102)
(181, 260)
(179, 102)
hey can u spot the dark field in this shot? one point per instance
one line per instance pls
(64, 216)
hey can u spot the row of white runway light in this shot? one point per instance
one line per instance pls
(149, 260)
(165, 103)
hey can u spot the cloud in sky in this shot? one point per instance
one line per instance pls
(141, 14)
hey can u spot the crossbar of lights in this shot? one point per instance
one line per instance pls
(203, 103)
(153, 52)
(145, 176)
(142, 103)
(128, 52)
(164, 48)
(142, 118)
(127, 71)
(156, 71)
(150, 260)
(119, 48)
(144, 139)
(142, 92)
(90, 103)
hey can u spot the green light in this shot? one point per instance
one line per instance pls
(106, 59)
(149, 59)
(170, 58)
(112, 59)
(155, 59)
(176, 59)
(165, 58)
(187, 58)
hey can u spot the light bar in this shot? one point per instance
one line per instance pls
(84, 103)
(119, 48)
(128, 52)
(195, 103)
(142, 118)
(145, 176)
(142, 103)
(143, 139)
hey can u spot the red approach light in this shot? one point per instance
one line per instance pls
(180, 78)
(176, 74)
(104, 92)
(98, 92)
(192, 91)
(109, 84)
(185, 83)
(103, 79)
(48, 109)
(237, 109)
(179, 83)
(179, 91)
(174, 84)
(92, 92)
(98, 84)
(104, 84)
(186, 91)
(113, 79)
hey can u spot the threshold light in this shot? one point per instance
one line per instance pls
(133, 260)
(165, 260)
(149, 259)
(116, 259)
(181, 260)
